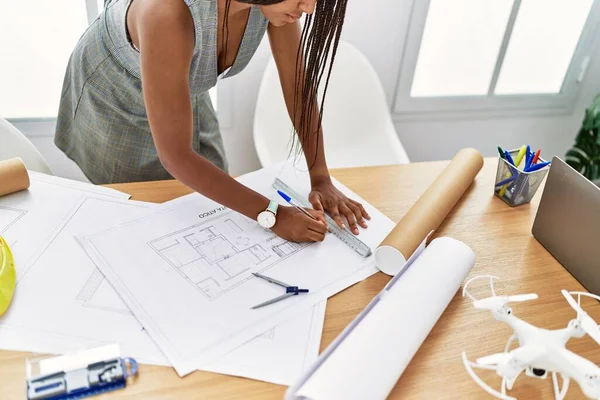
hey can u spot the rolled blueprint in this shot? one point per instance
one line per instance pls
(13, 176)
(366, 360)
(429, 211)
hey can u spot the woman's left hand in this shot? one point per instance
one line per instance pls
(327, 198)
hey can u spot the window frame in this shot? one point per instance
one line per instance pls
(406, 107)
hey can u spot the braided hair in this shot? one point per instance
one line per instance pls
(316, 54)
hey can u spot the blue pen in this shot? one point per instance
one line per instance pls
(537, 166)
(528, 157)
(504, 182)
(292, 203)
(289, 200)
(508, 157)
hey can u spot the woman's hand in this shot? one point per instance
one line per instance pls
(327, 198)
(294, 226)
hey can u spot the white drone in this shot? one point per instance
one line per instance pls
(540, 350)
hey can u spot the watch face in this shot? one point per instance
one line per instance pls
(266, 219)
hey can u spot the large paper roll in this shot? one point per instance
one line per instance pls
(13, 176)
(429, 211)
(368, 358)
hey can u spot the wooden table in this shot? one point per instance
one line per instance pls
(499, 235)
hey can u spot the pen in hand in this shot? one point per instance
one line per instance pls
(289, 200)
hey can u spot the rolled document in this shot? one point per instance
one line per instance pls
(367, 358)
(13, 176)
(429, 211)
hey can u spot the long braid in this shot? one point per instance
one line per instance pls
(318, 44)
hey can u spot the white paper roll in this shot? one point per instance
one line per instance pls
(367, 359)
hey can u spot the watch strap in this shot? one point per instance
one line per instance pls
(273, 207)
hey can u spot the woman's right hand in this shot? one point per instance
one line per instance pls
(294, 226)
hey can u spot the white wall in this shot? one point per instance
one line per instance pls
(378, 29)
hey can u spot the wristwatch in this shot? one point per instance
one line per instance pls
(267, 219)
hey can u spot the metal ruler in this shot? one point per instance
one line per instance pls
(347, 237)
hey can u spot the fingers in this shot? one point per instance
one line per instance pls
(315, 236)
(317, 226)
(350, 218)
(319, 215)
(335, 215)
(357, 214)
(315, 200)
(362, 209)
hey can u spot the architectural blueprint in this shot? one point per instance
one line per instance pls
(199, 257)
(216, 255)
(81, 309)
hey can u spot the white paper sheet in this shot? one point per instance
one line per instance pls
(59, 182)
(63, 294)
(186, 274)
(369, 356)
(281, 354)
(30, 217)
(80, 309)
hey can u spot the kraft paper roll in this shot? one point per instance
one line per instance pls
(429, 211)
(13, 176)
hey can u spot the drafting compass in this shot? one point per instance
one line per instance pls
(289, 290)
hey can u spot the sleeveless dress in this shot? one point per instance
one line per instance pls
(102, 123)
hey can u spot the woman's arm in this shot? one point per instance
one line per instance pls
(164, 33)
(285, 41)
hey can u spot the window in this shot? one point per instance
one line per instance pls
(495, 55)
(37, 38)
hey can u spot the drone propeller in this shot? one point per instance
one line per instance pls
(587, 323)
(496, 302)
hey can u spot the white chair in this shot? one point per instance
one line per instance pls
(14, 144)
(357, 126)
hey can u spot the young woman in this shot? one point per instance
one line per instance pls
(135, 103)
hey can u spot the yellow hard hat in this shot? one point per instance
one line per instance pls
(8, 276)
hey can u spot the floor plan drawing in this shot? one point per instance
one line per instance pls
(97, 293)
(9, 216)
(218, 254)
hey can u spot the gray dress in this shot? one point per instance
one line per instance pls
(102, 123)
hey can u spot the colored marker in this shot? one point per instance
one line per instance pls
(535, 157)
(504, 182)
(501, 152)
(509, 158)
(537, 167)
(520, 155)
(528, 157)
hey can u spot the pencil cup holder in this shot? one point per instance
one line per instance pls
(514, 186)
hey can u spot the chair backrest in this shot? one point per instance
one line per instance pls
(357, 125)
(14, 144)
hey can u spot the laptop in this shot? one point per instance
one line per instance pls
(567, 223)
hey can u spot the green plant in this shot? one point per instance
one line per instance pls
(584, 156)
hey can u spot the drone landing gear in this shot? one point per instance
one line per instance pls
(508, 383)
(500, 395)
(560, 395)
